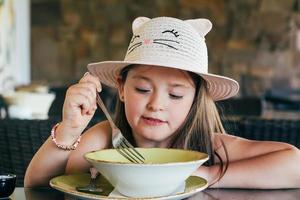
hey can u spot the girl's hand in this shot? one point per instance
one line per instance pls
(80, 104)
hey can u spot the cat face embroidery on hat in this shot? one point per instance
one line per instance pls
(170, 42)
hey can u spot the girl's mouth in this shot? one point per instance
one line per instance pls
(153, 121)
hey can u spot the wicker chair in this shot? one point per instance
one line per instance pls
(266, 129)
(236, 106)
(19, 140)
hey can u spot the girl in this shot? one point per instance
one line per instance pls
(166, 99)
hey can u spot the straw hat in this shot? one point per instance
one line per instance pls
(168, 42)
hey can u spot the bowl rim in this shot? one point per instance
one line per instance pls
(204, 159)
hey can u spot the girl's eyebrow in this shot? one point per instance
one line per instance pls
(178, 85)
(174, 85)
(142, 77)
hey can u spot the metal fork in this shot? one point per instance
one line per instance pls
(92, 186)
(120, 143)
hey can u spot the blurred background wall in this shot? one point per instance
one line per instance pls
(256, 42)
(14, 44)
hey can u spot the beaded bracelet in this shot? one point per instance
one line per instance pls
(62, 146)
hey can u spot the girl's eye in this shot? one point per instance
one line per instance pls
(175, 96)
(140, 90)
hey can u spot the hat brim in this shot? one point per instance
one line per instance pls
(219, 87)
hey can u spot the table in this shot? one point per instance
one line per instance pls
(208, 194)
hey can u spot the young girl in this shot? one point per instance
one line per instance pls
(166, 99)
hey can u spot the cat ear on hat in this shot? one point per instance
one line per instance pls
(201, 25)
(138, 22)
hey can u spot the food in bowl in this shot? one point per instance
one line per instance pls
(163, 172)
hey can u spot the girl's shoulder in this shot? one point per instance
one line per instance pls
(93, 139)
(231, 148)
(99, 135)
(223, 139)
(102, 126)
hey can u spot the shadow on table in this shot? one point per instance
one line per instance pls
(43, 193)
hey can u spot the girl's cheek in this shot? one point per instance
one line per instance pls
(133, 106)
(180, 112)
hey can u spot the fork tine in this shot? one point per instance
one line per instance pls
(134, 151)
(130, 153)
(126, 155)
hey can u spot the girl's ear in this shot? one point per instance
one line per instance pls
(120, 88)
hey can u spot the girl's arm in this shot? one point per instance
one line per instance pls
(78, 109)
(256, 164)
(50, 161)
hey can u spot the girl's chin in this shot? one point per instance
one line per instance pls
(153, 134)
(153, 138)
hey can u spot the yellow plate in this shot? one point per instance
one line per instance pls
(68, 184)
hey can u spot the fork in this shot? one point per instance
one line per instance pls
(92, 186)
(120, 143)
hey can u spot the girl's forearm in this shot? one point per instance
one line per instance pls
(278, 169)
(48, 162)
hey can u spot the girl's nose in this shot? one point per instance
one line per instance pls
(156, 103)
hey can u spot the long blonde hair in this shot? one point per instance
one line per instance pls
(197, 132)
